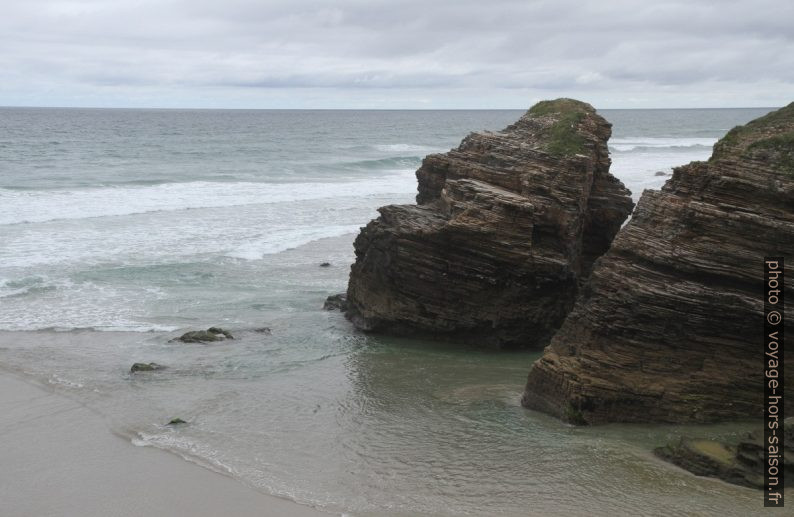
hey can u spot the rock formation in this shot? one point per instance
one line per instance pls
(205, 336)
(146, 367)
(740, 464)
(504, 228)
(669, 327)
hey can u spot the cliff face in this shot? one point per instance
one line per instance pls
(670, 326)
(504, 228)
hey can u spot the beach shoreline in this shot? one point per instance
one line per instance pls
(61, 459)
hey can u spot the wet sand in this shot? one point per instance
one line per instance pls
(59, 458)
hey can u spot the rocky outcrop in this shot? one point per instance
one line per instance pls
(669, 327)
(205, 336)
(336, 302)
(740, 464)
(504, 229)
(146, 367)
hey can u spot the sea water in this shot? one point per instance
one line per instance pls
(119, 229)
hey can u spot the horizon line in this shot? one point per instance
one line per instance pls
(353, 109)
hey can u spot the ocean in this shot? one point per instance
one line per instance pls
(120, 229)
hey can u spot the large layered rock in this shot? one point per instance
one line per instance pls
(670, 325)
(504, 228)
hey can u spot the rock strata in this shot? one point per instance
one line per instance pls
(669, 327)
(740, 464)
(504, 229)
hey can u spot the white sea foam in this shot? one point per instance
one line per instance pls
(657, 143)
(190, 450)
(404, 148)
(48, 205)
(287, 238)
(638, 170)
(21, 286)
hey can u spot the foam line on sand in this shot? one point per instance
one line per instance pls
(59, 458)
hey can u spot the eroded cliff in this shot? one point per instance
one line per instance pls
(669, 327)
(504, 229)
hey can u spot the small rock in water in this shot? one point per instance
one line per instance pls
(205, 336)
(336, 302)
(146, 367)
(263, 330)
(176, 421)
(218, 330)
(325, 264)
(661, 173)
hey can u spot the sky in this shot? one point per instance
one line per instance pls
(406, 54)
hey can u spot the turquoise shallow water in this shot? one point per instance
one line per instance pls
(133, 225)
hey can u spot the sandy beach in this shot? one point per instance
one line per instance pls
(60, 459)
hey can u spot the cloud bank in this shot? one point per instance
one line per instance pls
(395, 54)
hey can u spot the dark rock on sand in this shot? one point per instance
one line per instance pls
(146, 367)
(205, 336)
(741, 464)
(669, 328)
(336, 302)
(504, 229)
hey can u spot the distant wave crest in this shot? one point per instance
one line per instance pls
(656, 144)
(49, 205)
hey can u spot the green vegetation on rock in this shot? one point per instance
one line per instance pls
(574, 416)
(779, 148)
(762, 137)
(562, 138)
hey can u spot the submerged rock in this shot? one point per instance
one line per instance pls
(205, 336)
(504, 229)
(146, 367)
(176, 421)
(336, 302)
(263, 330)
(741, 464)
(669, 328)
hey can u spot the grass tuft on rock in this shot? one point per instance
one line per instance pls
(770, 137)
(562, 137)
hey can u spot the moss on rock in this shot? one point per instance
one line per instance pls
(561, 137)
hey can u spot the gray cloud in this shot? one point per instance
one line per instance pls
(356, 53)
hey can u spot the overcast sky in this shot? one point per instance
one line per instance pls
(395, 54)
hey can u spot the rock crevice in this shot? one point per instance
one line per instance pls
(669, 327)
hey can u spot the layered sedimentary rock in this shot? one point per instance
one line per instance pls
(742, 464)
(504, 228)
(669, 327)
